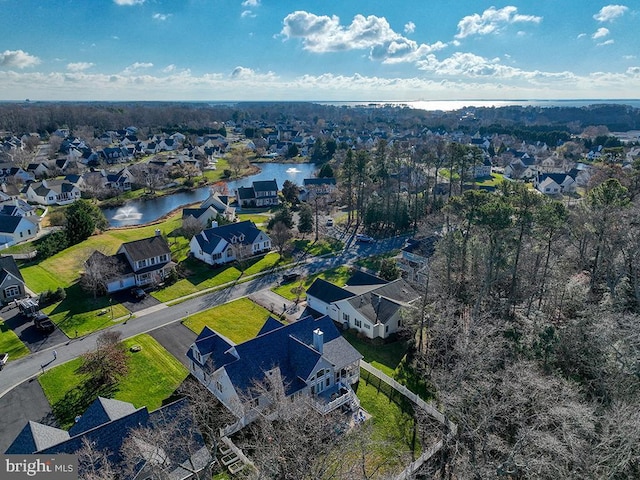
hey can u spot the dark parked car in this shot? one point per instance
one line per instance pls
(138, 293)
(290, 277)
(44, 323)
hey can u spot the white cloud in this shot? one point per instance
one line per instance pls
(582, 35)
(492, 21)
(409, 27)
(322, 34)
(244, 73)
(506, 82)
(610, 12)
(134, 67)
(128, 3)
(17, 59)
(601, 32)
(607, 42)
(161, 16)
(247, 13)
(169, 68)
(251, 3)
(79, 66)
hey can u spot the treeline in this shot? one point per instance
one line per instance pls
(529, 334)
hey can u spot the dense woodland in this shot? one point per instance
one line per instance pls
(528, 335)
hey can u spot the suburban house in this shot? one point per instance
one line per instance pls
(372, 308)
(414, 258)
(262, 193)
(17, 228)
(11, 282)
(206, 216)
(554, 183)
(316, 186)
(16, 207)
(106, 426)
(308, 357)
(483, 169)
(138, 263)
(52, 192)
(219, 245)
(221, 205)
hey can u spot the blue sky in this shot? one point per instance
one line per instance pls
(361, 50)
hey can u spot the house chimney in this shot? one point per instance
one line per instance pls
(157, 232)
(318, 340)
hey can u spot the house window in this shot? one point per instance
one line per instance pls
(358, 323)
(152, 261)
(142, 263)
(12, 291)
(219, 386)
(367, 326)
(345, 318)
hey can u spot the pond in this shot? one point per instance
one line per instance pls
(139, 212)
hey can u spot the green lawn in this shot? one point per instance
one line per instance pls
(392, 427)
(321, 247)
(257, 218)
(154, 374)
(493, 181)
(11, 344)
(81, 313)
(200, 276)
(239, 320)
(62, 269)
(338, 276)
(373, 263)
(386, 357)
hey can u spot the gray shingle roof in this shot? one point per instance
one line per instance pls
(327, 292)
(147, 248)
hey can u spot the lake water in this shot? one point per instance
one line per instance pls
(138, 212)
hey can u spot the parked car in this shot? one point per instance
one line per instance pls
(4, 358)
(361, 237)
(290, 277)
(43, 323)
(138, 293)
(329, 222)
(28, 307)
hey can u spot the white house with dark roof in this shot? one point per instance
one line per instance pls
(555, 183)
(220, 203)
(224, 244)
(308, 357)
(52, 192)
(139, 263)
(372, 307)
(262, 193)
(17, 228)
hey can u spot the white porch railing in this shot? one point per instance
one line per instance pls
(348, 397)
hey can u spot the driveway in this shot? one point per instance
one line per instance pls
(23, 403)
(34, 339)
(176, 338)
(133, 304)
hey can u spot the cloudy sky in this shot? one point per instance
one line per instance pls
(361, 50)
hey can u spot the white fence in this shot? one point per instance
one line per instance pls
(452, 428)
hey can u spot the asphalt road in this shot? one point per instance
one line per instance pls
(21, 397)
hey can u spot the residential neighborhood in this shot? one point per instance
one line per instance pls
(361, 285)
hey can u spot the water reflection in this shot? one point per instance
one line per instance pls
(138, 212)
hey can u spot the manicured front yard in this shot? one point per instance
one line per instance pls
(62, 269)
(11, 344)
(154, 374)
(80, 312)
(338, 276)
(239, 320)
(200, 276)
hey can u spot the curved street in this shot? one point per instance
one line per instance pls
(161, 315)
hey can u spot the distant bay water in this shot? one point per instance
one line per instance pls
(452, 105)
